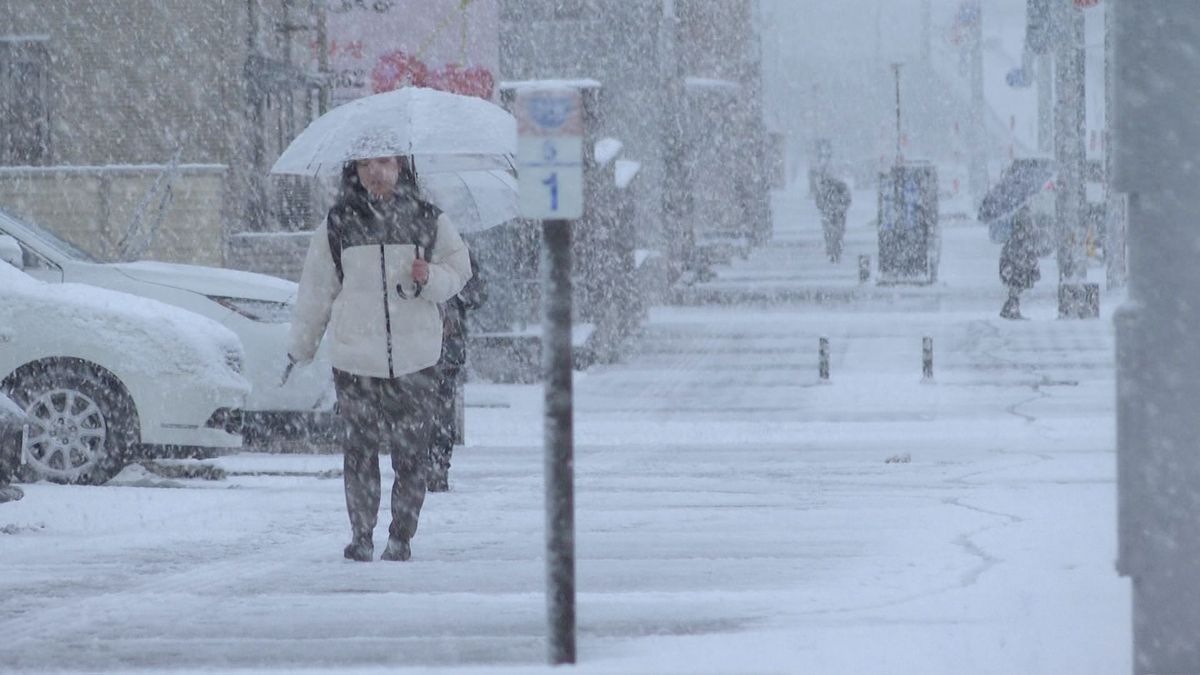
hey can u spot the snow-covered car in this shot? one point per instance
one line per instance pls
(257, 307)
(104, 377)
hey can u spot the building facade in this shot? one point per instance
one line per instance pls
(654, 60)
(166, 85)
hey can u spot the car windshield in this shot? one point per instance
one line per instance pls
(14, 225)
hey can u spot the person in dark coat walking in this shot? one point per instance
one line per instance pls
(450, 375)
(833, 200)
(11, 420)
(375, 272)
(1019, 262)
(8, 460)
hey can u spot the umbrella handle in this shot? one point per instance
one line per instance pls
(417, 284)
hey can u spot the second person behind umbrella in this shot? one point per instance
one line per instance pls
(375, 272)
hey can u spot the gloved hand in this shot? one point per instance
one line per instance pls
(287, 372)
(420, 272)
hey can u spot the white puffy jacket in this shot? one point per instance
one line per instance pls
(381, 326)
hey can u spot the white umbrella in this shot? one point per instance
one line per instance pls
(408, 121)
(475, 200)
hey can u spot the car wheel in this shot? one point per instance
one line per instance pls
(81, 423)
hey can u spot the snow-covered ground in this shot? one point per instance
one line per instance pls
(733, 513)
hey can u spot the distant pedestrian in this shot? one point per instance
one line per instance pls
(833, 200)
(450, 376)
(375, 272)
(10, 454)
(1019, 262)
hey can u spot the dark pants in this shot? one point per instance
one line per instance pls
(445, 429)
(393, 415)
(1012, 306)
(834, 226)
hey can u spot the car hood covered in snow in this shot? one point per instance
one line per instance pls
(166, 339)
(210, 280)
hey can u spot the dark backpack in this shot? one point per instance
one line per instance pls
(345, 214)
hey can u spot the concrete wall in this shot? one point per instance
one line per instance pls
(133, 82)
(93, 207)
(279, 254)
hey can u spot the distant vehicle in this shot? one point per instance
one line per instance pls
(103, 377)
(255, 306)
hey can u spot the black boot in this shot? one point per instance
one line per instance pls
(361, 549)
(1011, 309)
(438, 479)
(397, 550)
(10, 493)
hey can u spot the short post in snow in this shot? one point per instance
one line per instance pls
(864, 268)
(927, 358)
(823, 359)
(550, 161)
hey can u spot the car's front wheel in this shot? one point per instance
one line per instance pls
(82, 424)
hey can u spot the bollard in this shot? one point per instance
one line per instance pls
(927, 357)
(824, 359)
(864, 268)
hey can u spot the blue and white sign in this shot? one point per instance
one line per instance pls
(550, 153)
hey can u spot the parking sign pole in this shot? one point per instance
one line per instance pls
(560, 440)
(550, 175)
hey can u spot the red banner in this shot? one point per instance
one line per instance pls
(380, 45)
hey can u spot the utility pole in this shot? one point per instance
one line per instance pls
(1115, 223)
(1156, 142)
(1045, 102)
(977, 165)
(322, 16)
(1070, 155)
(926, 30)
(679, 234)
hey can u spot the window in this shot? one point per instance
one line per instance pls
(24, 101)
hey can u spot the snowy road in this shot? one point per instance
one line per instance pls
(734, 515)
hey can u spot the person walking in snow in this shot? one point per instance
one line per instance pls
(8, 491)
(11, 440)
(450, 374)
(833, 200)
(375, 272)
(1019, 262)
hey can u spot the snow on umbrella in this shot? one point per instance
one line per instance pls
(475, 200)
(1020, 181)
(408, 121)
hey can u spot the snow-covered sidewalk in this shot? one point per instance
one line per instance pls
(734, 514)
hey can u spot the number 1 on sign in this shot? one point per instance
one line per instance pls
(551, 181)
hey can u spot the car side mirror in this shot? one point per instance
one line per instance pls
(10, 251)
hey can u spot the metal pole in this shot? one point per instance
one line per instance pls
(976, 134)
(823, 359)
(1045, 102)
(926, 30)
(1114, 202)
(1157, 134)
(896, 73)
(927, 358)
(323, 57)
(559, 439)
(1069, 151)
